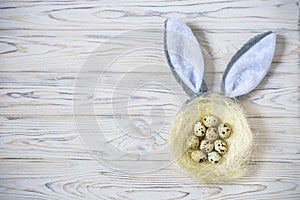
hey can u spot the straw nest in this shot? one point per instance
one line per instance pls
(234, 163)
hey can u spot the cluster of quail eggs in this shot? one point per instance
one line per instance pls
(208, 141)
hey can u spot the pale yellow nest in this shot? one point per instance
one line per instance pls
(234, 163)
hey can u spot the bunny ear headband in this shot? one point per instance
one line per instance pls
(210, 137)
(243, 73)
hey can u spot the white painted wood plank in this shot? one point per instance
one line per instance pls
(57, 137)
(33, 80)
(263, 103)
(91, 181)
(108, 15)
(67, 51)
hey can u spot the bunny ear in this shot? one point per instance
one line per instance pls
(184, 56)
(249, 65)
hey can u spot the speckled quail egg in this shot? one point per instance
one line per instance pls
(212, 134)
(198, 156)
(193, 142)
(199, 129)
(206, 146)
(214, 157)
(221, 146)
(224, 130)
(210, 121)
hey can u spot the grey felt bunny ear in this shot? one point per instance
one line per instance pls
(184, 56)
(249, 65)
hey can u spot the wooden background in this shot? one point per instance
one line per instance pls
(44, 44)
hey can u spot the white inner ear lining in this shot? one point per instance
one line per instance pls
(250, 68)
(184, 54)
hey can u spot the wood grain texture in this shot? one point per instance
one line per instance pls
(43, 46)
